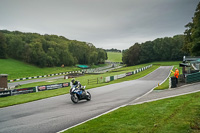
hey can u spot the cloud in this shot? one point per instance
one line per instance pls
(105, 23)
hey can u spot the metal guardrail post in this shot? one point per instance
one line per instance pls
(170, 82)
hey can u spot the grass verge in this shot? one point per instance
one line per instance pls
(17, 69)
(114, 56)
(173, 115)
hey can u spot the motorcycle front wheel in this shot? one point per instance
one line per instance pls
(88, 96)
(74, 98)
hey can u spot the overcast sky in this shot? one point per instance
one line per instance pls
(105, 23)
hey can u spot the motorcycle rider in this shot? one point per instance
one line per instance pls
(78, 92)
(76, 84)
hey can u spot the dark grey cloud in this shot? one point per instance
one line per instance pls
(105, 23)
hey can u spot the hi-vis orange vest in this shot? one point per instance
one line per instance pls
(176, 74)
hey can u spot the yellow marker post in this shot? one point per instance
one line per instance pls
(172, 71)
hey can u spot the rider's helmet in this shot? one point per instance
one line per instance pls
(73, 80)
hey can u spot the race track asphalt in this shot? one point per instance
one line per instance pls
(57, 113)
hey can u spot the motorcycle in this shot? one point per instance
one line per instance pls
(79, 94)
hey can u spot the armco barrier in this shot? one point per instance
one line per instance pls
(115, 77)
(194, 77)
(129, 73)
(107, 79)
(121, 75)
(170, 85)
(133, 72)
(111, 78)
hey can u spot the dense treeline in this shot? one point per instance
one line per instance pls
(48, 50)
(113, 50)
(192, 34)
(161, 49)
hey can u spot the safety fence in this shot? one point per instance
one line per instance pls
(115, 77)
(96, 80)
(92, 81)
(33, 89)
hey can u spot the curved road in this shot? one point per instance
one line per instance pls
(57, 113)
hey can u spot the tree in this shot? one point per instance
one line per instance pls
(101, 55)
(66, 58)
(134, 54)
(125, 56)
(93, 58)
(38, 56)
(177, 52)
(192, 34)
(49, 50)
(147, 52)
(3, 46)
(161, 49)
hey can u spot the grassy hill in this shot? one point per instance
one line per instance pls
(17, 69)
(114, 56)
